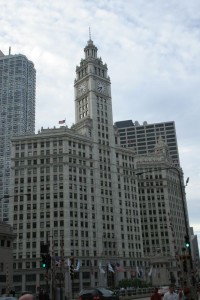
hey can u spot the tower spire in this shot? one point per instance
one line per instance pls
(89, 34)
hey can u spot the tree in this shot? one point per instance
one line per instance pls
(136, 282)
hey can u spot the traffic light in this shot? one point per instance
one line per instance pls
(72, 270)
(187, 242)
(44, 261)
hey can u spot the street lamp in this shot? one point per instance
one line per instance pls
(183, 204)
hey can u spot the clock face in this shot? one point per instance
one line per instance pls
(101, 87)
(82, 88)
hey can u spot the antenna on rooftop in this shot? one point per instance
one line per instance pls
(9, 50)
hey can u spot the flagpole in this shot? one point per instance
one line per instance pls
(62, 288)
(53, 269)
(72, 278)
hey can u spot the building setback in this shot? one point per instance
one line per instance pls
(143, 138)
(17, 113)
(163, 211)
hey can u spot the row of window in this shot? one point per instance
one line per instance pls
(5, 243)
(35, 145)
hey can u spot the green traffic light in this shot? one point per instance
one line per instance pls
(43, 265)
(187, 241)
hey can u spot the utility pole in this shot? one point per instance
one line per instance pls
(71, 271)
(62, 274)
(53, 273)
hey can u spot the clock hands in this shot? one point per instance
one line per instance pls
(101, 87)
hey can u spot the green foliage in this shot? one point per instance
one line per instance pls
(136, 282)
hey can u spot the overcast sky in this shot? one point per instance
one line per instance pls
(151, 47)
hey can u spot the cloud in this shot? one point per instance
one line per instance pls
(152, 49)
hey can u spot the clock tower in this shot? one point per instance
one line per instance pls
(93, 106)
(94, 121)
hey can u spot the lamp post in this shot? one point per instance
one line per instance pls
(183, 205)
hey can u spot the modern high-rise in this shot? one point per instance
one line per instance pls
(195, 252)
(143, 138)
(17, 113)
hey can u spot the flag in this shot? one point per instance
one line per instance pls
(57, 261)
(61, 122)
(78, 265)
(141, 273)
(138, 272)
(150, 271)
(154, 273)
(119, 268)
(110, 268)
(67, 262)
(101, 270)
(133, 273)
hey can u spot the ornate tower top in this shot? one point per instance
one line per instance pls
(162, 148)
(90, 49)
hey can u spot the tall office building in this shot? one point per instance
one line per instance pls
(143, 138)
(17, 113)
(81, 190)
(195, 252)
(163, 211)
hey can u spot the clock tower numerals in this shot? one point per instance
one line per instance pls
(101, 87)
(82, 88)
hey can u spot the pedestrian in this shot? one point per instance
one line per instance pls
(186, 291)
(41, 295)
(181, 294)
(46, 296)
(198, 291)
(171, 295)
(155, 295)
